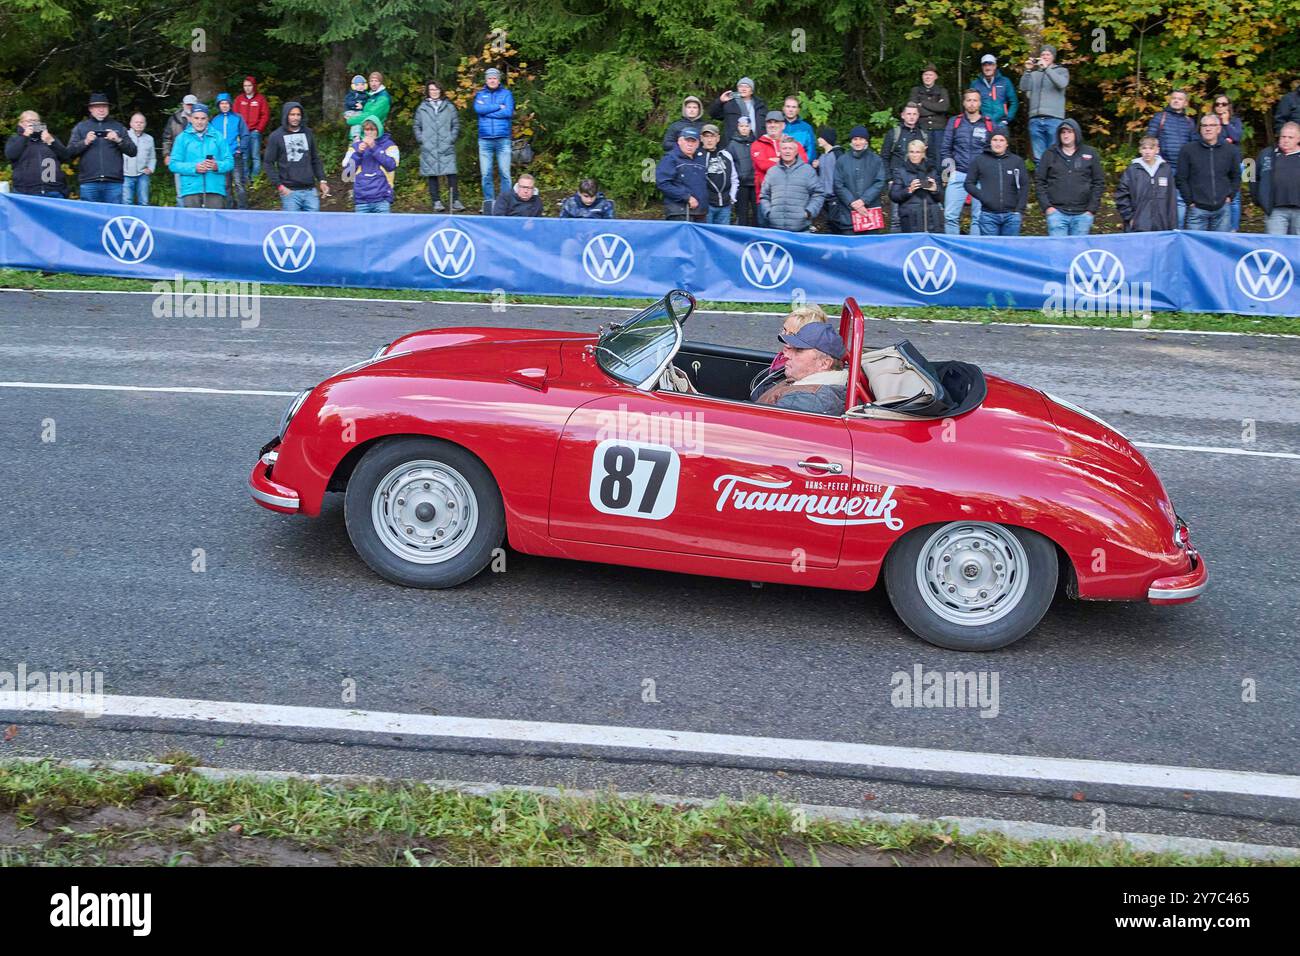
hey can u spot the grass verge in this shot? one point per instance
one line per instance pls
(56, 815)
(1160, 321)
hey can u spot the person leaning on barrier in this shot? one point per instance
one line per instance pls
(37, 156)
(101, 143)
(1209, 175)
(682, 179)
(520, 201)
(1276, 188)
(814, 378)
(202, 157)
(587, 203)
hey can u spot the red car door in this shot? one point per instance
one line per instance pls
(686, 473)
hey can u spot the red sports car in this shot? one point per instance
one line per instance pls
(975, 502)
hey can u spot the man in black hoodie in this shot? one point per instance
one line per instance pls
(36, 154)
(292, 163)
(1070, 183)
(1208, 176)
(999, 180)
(101, 143)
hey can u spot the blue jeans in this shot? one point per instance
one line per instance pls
(719, 216)
(1069, 223)
(1283, 221)
(1204, 220)
(253, 159)
(373, 207)
(300, 200)
(135, 190)
(498, 148)
(101, 192)
(954, 198)
(999, 223)
(1236, 212)
(1042, 134)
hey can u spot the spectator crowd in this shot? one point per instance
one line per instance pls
(750, 165)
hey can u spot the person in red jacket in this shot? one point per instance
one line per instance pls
(766, 153)
(251, 105)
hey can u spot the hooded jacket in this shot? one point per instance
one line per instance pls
(495, 110)
(935, 105)
(802, 130)
(1071, 184)
(253, 108)
(730, 113)
(291, 158)
(574, 208)
(858, 176)
(679, 177)
(1174, 129)
(720, 175)
(32, 159)
(998, 100)
(792, 196)
(739, 150)
(101, 161)
(1147, 198)
(230, 125)
(436, 128)
(374, 168)
(378, 103)
(190, 149)
(1046, 91)
(922, 210)
(1000, 183)
(674, 128)
(1277, 180)
(1209, 176)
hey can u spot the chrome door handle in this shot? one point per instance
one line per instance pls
(830, 467)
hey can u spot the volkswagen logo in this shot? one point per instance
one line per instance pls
(289, 248)
(449, 253)
(608, 258)
(1264, 275)
(1096, 273)
(928, 270)
(766, 265)
(127, 239)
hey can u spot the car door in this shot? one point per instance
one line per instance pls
(673, 472)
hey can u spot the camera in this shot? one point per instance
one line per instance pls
(101, 132)
(37, 129)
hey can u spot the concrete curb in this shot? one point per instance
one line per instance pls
(1022, 830)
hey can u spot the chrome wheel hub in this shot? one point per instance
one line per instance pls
(972, 573)
(424, 512)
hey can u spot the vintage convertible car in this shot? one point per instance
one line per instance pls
(634, 447)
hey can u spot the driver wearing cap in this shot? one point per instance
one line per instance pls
(814, 377)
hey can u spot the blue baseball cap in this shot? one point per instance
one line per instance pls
(816, 335)
(200, 108)
(223, 96)
(689, 132)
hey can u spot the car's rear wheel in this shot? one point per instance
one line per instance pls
(423, 513)
(971, 585)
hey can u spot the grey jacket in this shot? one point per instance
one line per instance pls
(145, 157)
(1045, 90)
(792, 196)
(436, 130)
(820, 393)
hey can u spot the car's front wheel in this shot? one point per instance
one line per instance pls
(423, 513)
(971, 585)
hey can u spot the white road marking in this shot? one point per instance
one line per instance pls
(180, 389)
(757, 313)
(1212, 450)
(1191, 779)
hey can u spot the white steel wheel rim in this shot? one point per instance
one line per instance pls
(424, 512)
(972, 573)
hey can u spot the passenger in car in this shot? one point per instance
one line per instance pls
(795, 321)
(814, 378)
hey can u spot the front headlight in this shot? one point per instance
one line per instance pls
(292, 410)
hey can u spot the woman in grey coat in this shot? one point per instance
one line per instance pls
(436, 128)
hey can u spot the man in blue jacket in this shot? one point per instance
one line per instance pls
(231, 127)
(966, 137)
(998, 100)
(201, 158)
(1174, 129)
(683, 179)
(495, 106)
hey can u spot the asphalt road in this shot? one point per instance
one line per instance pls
(98, 527)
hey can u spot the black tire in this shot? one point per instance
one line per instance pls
(1021, 614)
(475, 547)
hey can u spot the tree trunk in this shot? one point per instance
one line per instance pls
(205, 73)
(1031, 24)
(334, 84)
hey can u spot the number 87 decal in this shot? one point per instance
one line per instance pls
(634, 479)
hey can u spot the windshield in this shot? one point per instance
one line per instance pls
(638, 351)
